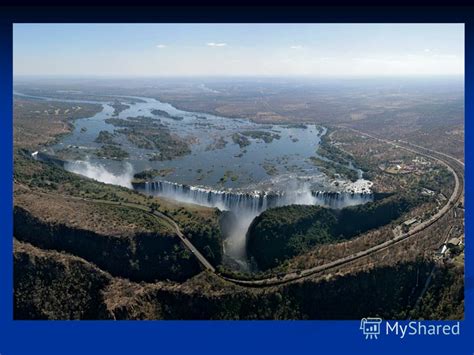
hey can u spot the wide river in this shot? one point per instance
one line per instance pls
(216, 162)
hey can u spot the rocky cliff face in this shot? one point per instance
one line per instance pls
(389, 292)
(53, 285)
(139, 257)
(281, 233)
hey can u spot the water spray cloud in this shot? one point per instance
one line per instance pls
(100, 173)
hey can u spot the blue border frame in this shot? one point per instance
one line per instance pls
(208, 337)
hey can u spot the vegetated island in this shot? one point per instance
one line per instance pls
(267, 137)
(112, 151)
(165, 114)
(118, 107)
(241, 140)
(151, 174)
(151, 134)
(105, 137)
(334, 161)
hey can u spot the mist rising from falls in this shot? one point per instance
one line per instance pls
(253, 202)
(235, 240)
(248, 205)
(100, 173)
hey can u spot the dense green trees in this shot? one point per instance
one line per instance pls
(110, 151)
(207, 238)
(358, 219)
(281, 233)
(334, 160)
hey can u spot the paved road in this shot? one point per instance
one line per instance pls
(188, 243)
(446, 160)
(457, 193)
(156, 214)
(293, 276)
(207, 265)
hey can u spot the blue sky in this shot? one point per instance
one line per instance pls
(238, 49)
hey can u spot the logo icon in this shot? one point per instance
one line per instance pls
(370, 327)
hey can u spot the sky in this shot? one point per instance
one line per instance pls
(327, 50)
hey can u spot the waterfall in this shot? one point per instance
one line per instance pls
(248, 205)
(253, 202)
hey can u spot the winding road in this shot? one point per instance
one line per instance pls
(446, 160)
(442, 158)
(156, 214)
(187, 243)
(455, 166)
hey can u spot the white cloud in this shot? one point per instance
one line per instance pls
(161, 46)
(296, 47)
(214, 44)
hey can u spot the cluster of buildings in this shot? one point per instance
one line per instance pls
(416, 166)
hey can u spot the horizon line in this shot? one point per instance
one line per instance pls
(180, 76)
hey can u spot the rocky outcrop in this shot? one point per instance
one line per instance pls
(140, 257)
(52, 285)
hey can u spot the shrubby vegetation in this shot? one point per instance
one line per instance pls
(241, 140)
(267, 137)
(335, 161)
(149, 133)
(141, 257)
(354, 220)
(330, 151)
(389, 292)
(281, 233)
(105, 137)
(37, 122)
(440, 181)
(150, 174)
(444, 298)
(166, 115)
(297, 125)
(111, 151)
(205, 235)
(118, 107)
(331, 168)
(50, 285)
